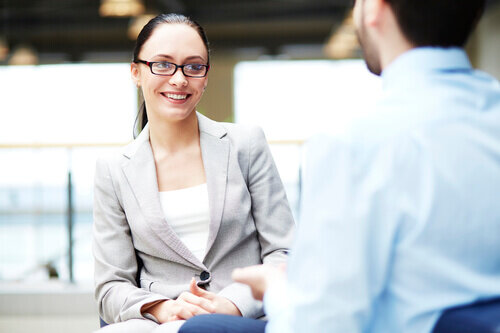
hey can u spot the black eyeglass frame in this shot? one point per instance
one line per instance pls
(151, 63)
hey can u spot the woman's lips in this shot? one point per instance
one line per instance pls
(176, 98)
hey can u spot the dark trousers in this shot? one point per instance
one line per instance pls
(217, 323)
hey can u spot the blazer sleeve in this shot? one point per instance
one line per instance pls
(271, 214)
(270, 209)
(116, 291)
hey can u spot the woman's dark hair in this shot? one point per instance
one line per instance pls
(146, 32)
(442, 23)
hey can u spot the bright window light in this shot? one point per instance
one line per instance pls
(293, 100)
(82, 103)
(43, 109)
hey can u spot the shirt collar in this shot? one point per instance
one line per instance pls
(424, 60)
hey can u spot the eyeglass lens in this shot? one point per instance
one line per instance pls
(167, 68)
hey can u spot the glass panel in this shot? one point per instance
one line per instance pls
(311, 96)
(33, 212)
(65, 116)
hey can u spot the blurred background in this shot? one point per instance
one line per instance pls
(66, 97)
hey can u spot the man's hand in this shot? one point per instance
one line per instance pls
(219, 303)
(260, 277)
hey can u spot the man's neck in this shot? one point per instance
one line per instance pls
(392, 41)
(392, 52)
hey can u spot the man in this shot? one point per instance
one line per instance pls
(401, 219)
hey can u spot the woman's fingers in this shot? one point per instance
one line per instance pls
(218, 304)
(186, 310)
(174, 318)
(195, 290)
(192, 286)
(198, 301)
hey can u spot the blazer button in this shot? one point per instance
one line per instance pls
(204, 276)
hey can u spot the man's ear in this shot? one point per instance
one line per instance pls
(373, 11)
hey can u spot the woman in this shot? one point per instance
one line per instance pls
(187, 201)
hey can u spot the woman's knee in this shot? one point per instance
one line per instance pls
(218, 323)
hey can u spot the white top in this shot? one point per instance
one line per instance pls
(187, 212)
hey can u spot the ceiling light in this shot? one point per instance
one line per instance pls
(343, 43)
(23, 55)
(4, 49)
(121, 8)
(136, 25)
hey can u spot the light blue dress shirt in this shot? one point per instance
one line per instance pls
(400, 219)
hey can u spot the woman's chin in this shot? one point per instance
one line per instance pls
(177, 114)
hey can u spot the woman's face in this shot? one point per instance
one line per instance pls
(173, 97)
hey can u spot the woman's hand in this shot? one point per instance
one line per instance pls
(184, 307)
(221, 304)
(190, 304)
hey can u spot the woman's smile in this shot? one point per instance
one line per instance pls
(176, 97)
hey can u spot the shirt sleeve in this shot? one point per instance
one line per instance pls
(341, 255)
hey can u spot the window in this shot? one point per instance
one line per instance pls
(55, 120)
(293, 100)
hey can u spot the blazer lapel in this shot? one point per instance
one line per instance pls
(140, 172)
(215, 155)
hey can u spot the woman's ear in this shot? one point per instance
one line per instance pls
(135, 74)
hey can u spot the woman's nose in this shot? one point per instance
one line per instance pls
(178, 79)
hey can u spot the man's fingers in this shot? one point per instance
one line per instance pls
(246, 275)
(253, 277)
(239, 275)
(258, 278)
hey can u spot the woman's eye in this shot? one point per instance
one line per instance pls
(163, 65)
(194, 67)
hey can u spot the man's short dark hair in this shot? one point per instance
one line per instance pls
(437, 22)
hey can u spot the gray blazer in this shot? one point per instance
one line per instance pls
(250, 223)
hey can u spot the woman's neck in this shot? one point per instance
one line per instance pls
(170, 137)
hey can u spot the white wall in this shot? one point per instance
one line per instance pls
(487, 42)
(47, 307)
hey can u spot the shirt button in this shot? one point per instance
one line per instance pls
(204, 276)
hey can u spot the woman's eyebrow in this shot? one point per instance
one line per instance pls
(195, 58)
(166, 56)
(170, 58)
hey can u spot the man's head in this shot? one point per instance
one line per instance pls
(441, 23)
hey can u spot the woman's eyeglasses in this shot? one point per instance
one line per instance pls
(166, 68)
